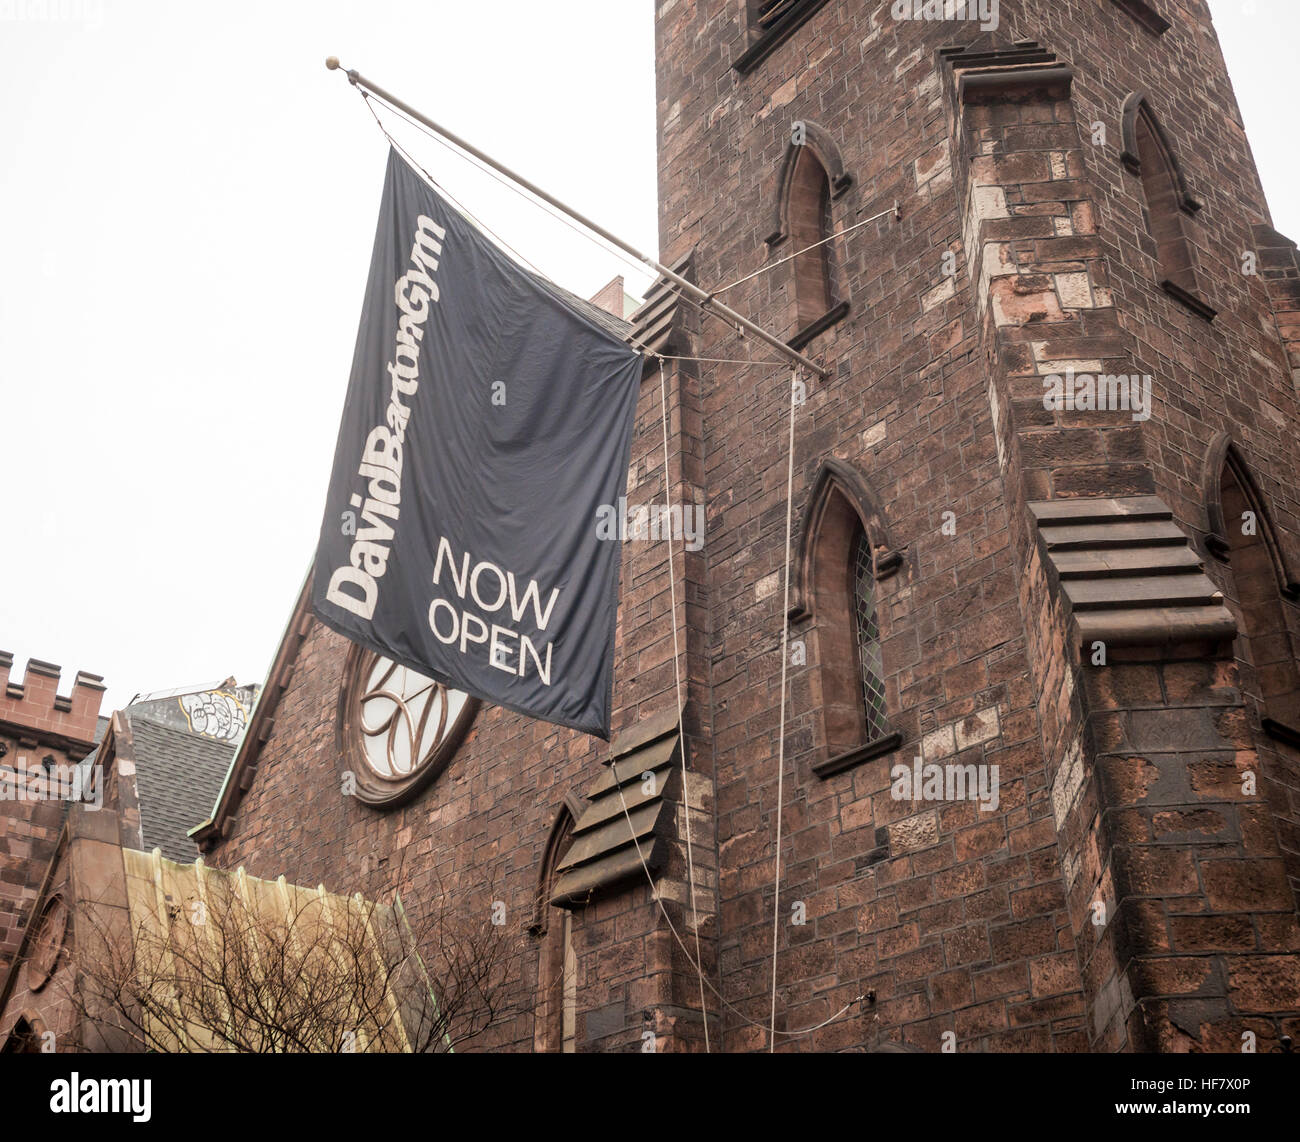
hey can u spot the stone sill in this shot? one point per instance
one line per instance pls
(1281, 731)
(818, 327)
(1145, 15)
(1197, 305)
(857, 756)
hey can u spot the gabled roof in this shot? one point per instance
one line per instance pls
(177, 776)
(179, 748)
(615, 326)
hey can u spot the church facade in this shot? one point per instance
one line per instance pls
(1036, 780)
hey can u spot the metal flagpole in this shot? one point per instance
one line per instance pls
(703, 297)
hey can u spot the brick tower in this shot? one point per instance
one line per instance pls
(42, 734)
(1045, 520)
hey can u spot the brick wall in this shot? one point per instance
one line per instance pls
(36, 722)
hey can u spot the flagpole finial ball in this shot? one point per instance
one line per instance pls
(332, 63)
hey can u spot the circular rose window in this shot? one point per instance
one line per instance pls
(400, 728)
(48, 943)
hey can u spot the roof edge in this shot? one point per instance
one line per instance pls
(209, 832)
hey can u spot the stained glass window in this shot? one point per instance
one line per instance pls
(868, 636)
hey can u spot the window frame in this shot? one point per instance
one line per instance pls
(1225, 462)
(556, 1011)
(842, 499)
(1139, 10)
(1165, 215)
(819, 147)
(762, 42)
(371, 788)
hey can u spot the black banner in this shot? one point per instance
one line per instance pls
(488, 422)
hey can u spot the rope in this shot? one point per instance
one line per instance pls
(790, 257)
(780, 741)
(545, 207)
(677, 677)
(433, 182)
(696, 960)
(613, 767)
(717, 360)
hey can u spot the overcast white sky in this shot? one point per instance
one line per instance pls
(187, 204)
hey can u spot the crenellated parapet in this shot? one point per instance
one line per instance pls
(34, 708)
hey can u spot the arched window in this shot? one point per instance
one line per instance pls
(26, 1038)
(1167, 205)
(810, 223)
(811, 179)
(555, 1027)
(1242, 535)
(843, 556)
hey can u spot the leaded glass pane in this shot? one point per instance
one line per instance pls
(869, 661)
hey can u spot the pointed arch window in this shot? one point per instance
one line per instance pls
(555, 1026)
(1167, 204)
(26, 1038)
(812, 178)
(844, 555)
(1260, 584)
(871, 670)
(810, 227)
